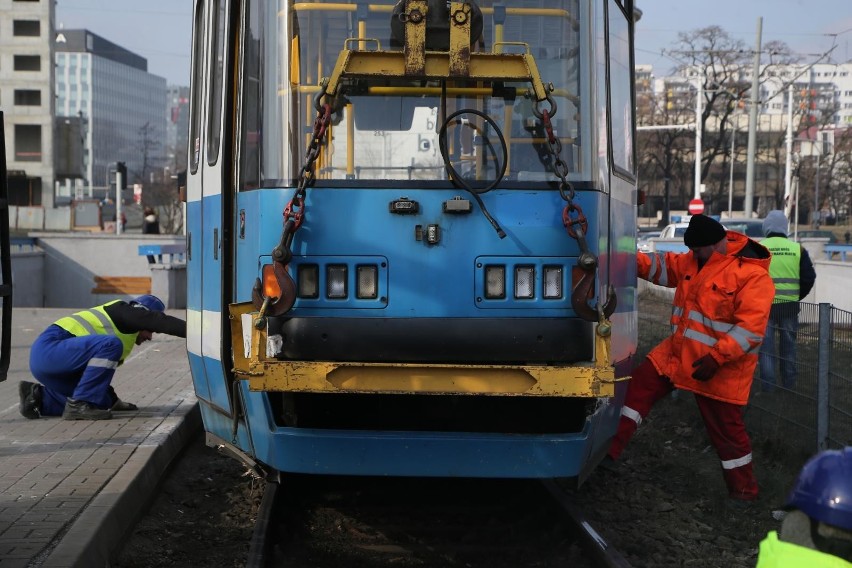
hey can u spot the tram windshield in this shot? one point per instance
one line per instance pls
(386, 129)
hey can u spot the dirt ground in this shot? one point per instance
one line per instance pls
(664, 505)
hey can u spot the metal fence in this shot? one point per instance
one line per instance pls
(813, 411)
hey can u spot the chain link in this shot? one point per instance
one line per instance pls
(294, 212)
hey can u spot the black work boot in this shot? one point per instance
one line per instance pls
(120, 405)
(30, 394)
(82, 410)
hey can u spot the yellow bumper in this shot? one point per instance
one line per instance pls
(250, 363)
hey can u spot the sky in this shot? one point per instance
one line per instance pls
(804, 25)
(161, 30)
(158, 30)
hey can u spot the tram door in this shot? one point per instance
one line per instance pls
(5, 263)
(209, 169)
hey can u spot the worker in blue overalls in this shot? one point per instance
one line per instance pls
(75, 358)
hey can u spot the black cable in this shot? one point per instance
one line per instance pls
(458, 180)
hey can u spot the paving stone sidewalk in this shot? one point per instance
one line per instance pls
(70, 490)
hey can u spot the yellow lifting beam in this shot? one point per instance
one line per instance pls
(415, 62)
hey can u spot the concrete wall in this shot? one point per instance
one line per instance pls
(72, 260)
(28, 278)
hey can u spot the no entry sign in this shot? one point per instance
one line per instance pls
(696, 206)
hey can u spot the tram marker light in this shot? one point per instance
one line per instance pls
(335, 286)
(271, 289)
(308, 278)
(368, 282)
(495, 282)
(524, 282)
(553, 282)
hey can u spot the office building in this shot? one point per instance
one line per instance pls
(26, 98)
(120, 108)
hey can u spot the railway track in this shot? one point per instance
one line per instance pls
(406, 522)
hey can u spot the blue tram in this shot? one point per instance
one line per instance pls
(411, 233)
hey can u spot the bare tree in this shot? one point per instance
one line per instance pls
(722, 65)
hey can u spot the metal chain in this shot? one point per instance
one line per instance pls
(572, 216)
(294, 212)
(577, 225)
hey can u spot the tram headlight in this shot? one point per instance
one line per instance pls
(335, 283)
(524, 282)
(308, 280)
(271, 289)
(553, 282)
(495, 282)
(367, 282)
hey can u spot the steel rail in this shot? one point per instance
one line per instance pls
(259, 548)
(591, 541)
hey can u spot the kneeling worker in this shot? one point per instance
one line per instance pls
(75, 358)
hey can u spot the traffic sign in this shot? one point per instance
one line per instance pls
(696, 206)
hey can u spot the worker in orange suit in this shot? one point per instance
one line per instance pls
(720, 312)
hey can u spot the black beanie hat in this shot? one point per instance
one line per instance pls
(703, 231)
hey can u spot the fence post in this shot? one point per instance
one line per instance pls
(823, 360)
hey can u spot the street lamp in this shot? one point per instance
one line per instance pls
(815, 147)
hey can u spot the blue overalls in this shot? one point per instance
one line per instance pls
(76, 357)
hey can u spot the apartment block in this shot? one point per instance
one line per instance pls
(26, 98)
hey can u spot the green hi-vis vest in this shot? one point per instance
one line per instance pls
(784, 268)
(95, 321)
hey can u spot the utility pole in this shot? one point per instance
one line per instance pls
(698, 127)
(752, 123)
(788, 169)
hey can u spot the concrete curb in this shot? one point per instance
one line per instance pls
(99, 532)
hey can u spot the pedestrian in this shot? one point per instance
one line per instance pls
(817, 530)
(151, 226)
(847, 235)
(793, 274)
(720, 309)
(75, 358)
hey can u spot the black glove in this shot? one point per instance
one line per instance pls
(705, 368)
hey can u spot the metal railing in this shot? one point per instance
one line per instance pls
(808, 412)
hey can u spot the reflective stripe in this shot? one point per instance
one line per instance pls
(739, 462)
(85, 323)
(103, 363)
(787, 289)
(664, 273)
(677, 311)
(722, 326)
(744, 338)
(653, 270)
(628, 412)
(700, 337)
(105, 322)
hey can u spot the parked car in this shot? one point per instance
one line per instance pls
(674, 231)
(643, 240)
(817, 234)
(749, 227)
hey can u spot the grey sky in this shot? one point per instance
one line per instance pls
(158, 30)
(161, 30)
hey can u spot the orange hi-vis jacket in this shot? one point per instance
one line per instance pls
(722, 310)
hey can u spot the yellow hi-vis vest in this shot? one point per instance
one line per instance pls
(95, 321)
(784, 268)
(775, 553)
